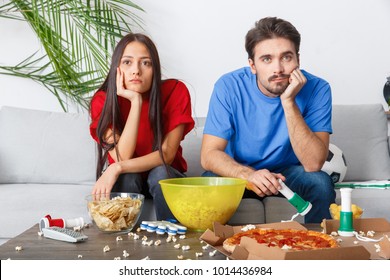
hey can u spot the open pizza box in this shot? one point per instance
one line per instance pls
(379, 228)
(249, 249)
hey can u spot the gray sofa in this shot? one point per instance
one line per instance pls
(47, 166)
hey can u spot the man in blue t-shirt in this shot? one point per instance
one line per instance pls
(272, 121)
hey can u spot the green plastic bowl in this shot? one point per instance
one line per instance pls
(197, 202)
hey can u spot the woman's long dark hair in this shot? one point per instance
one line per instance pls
(111, 116)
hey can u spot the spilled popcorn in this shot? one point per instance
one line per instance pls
(212, 253)
(248, 227)
(185, 247)
(106, 249)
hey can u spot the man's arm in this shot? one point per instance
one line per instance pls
(310, 148)
(214, 159)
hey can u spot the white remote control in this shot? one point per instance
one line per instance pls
(63, 234)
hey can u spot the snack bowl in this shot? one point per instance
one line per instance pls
(335, 211)
(115, 212)
(198, 202)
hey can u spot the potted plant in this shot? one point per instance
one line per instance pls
(77, 37)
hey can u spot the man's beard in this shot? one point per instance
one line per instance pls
(280, 87)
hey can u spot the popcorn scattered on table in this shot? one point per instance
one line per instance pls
(18, 248)
(117, 258)
(78, 228)
(106, 249)
(125, 254)
(212, 253)
(169, 239)
(361, 233)
(339, 240)
(157, 243)
(40, 233)
(205, 247)
(147, 243)
(370, 233)
(356, 242)
(146, 258)
(334, 233)
(79, 256)
(377, 248)
(119, 238)
(248, 227)
(135, 236)
(286, 247)
(176, 246)
(180, 257)
(198, 254)
(185, 247)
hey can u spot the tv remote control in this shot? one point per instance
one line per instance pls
(64, 234)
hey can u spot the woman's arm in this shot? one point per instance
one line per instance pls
(170, 146)
(126, 142)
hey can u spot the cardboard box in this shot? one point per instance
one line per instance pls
(249, 249)
(380, 229)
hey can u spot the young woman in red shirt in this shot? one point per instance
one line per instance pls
(138, 121)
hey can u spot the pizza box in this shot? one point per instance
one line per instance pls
(380, 229)
(249, 249)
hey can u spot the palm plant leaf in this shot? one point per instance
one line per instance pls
(77, 38)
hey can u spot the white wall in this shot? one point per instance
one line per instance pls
(345, 42)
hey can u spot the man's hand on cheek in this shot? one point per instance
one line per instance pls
(297, 81)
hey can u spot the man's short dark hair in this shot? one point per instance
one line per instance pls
(269, 28)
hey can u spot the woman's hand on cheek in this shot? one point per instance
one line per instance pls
(122, 90)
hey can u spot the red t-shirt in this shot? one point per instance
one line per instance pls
(176, 110)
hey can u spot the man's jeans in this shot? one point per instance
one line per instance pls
(135, 183)
(315, 187)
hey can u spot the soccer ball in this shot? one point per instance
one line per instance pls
(335, 165)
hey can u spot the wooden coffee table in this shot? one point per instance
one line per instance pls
(35, 247)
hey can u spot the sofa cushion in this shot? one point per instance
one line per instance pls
(279, 209)
(23, 205)
(45, 147)
(361, 132)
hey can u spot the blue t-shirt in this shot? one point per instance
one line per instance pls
(254, 124)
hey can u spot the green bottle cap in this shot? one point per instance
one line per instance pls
(302, 206)
(346, 224)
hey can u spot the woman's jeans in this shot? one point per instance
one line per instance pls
(315, 187)
(135, 183)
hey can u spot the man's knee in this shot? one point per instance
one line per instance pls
(323, 186)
